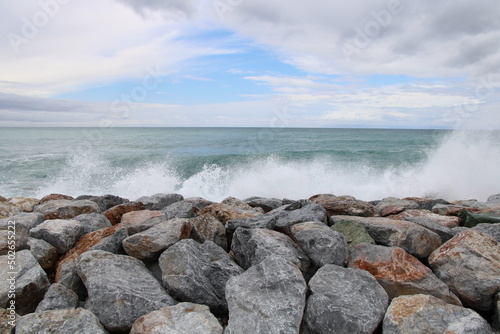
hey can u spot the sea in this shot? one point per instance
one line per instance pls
(215, 163)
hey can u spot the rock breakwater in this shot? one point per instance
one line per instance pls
(327, 264)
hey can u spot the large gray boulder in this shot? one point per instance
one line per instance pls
(424, 314)
(159, 201)
(321, 244)
(12, 239)
(66, 209)
(491, 229)
(266, 204)
(283, 218)
(79, 321)
(91, 222)
(399, 273)
(23, 278)
(183, 318)
(252, 246)
(344, 205)
(469, 264)
(58, 297)
(415, 239)
(344, 300)
(105, 202)
(148, 245)
(120, 289)
(24, 219)
(198, 273)
(44, 253)
(60, 233)
(181, 209)
(268, 298)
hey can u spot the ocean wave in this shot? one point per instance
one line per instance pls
(464, 165)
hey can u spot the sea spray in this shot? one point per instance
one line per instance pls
(464, 165)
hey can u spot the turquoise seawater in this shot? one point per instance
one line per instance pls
(218, 162)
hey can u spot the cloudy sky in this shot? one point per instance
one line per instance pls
(320, 63)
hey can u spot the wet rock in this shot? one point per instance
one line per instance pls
(412, 215)
(344, 205)
(60, 233)
(469, 264)
(58, 297)
(181, 209)
(421, 314)
(207, 227)
(266, 204)
(66, 209)
(198, 273)
(159, 201)
(79, 321)
(344, 300)
(92, 222)
(252, 246)
(120, 289)
(115, 213)
(321, 244)
(139, 221)
(105, 202)
(55, 197)
(238, 203)
(25, 279)
(491, 229)
(183, 318)
(412, 237)
(44, 253)
(399, 273)
(353, 232)
(148, 245)
(268, 298)
(25, 204)
(24, 219)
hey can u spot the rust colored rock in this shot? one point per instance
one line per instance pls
(66, 209)
(224, 212)
(469, 264)
(391, 210)
(54, 197)
(344, 205)
(25, 204)
(207, 227)
(115, 213)
(447, 221)
(399, 273)
(132, 220)
(84, 244)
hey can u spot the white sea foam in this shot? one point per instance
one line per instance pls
(464, 166)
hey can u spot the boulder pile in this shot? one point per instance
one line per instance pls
(327, 264)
